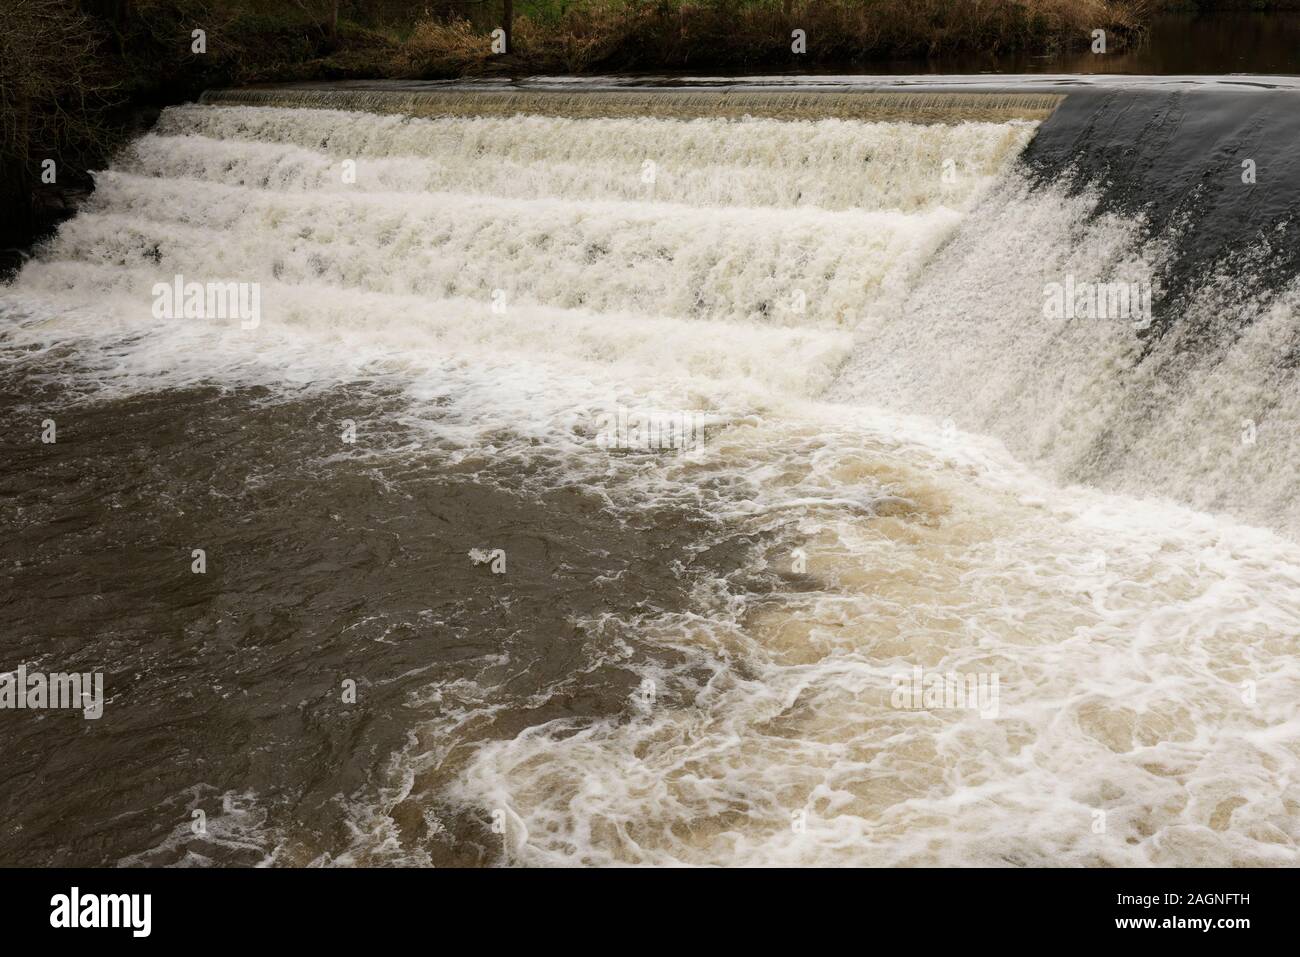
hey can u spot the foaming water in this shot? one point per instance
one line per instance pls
(705, 162)
(693, 655)
(1204, 413)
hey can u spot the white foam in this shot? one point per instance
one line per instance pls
(832, 164)
(1125, 636)
(926, 544)
(1205, 414)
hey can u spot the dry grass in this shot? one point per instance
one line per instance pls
(442, 49)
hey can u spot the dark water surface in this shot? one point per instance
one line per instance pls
(224, 690)
(1207, 44)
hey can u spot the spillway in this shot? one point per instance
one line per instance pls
(636, 451)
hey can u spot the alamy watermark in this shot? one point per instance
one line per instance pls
(952, 690)
(1124, 301)
(23, 689)
(650, 431)
(208, 300)
(76, 909)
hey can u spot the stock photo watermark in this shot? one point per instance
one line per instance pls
(68, 691)
(631, 430)
(950, 691)
(1120, 301)
(179, 299)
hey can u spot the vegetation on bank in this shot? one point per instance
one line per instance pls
(74, 74)
(551, 36)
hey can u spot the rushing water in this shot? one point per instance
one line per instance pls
(571, 653)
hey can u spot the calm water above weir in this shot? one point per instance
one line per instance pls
(1208, 44)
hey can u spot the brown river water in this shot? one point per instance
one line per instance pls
(590, 486)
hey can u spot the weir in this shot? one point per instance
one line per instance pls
(1192, 193)
(1185, 189)
(668, 103)
(459, 312)
(1215, 171)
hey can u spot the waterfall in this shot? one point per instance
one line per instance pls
(902, 462)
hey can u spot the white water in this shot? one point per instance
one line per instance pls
(1124, 630)
(1208, 417)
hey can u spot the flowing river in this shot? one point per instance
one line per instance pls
(582, 477)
